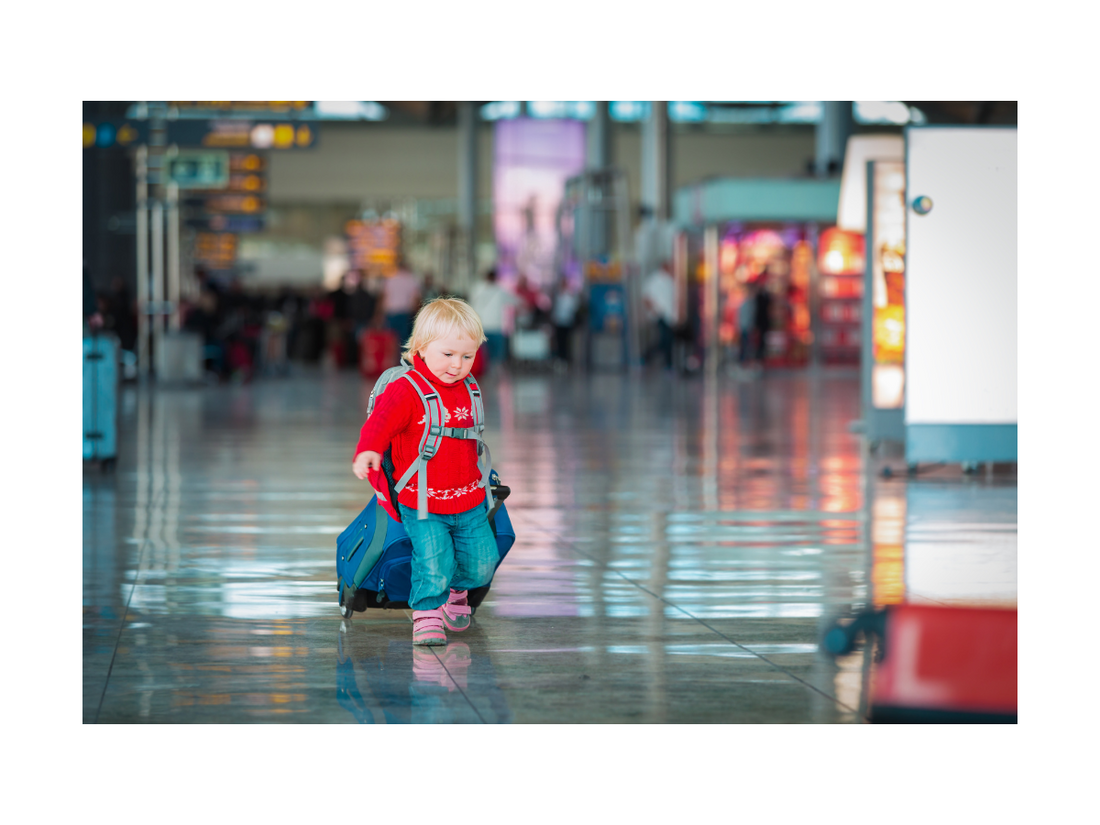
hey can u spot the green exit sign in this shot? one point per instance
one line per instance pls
(199, 170)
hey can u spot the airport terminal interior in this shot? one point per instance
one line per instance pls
(750, 382)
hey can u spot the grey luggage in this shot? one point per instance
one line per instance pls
(101, 399)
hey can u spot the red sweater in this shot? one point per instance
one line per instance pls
(398, 422)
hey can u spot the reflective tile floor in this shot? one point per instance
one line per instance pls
(681, 546)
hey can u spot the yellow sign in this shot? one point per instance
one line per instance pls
(284, 136)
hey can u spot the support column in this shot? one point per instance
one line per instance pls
(155, 163)
(157, 298)
(652, 246)
(142, 292)
(598, 155)
(711, 353)
(173, 215)
(656, 161)
(465, 274)
(832, 136)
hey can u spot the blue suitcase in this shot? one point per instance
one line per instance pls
(373, 557)
(101, 399)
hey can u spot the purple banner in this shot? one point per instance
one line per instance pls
(532, 159)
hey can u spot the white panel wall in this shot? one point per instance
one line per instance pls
(356, 161)
(961, 277)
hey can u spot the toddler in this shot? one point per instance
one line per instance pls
(454, 549)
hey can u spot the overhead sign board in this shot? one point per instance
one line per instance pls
(242, 134)
(241, 224)
(199, 170)
(216, 250)
(106, 134)
(373, 245)
(230, 203)
(248, 105)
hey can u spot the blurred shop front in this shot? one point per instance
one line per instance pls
(740, 237)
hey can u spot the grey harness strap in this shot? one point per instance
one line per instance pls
(435, 432)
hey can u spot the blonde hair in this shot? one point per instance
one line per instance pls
(440, 317)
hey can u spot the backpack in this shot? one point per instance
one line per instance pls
(434, 433)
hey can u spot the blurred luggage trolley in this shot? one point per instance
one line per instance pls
(531, 348)
(936, 665)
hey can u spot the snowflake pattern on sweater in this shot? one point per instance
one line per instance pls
(460, 414)
(443, 495)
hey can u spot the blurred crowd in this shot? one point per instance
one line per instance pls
(246, 333)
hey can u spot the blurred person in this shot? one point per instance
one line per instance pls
(400, 300)
(123, 312)
(762, 317)
(202, 318)
(310, 340)
(659, 296)
(563, 315)
(746, 325)
(429, 291)
(454, 549)
(534, 305)
(340, 332)
(489, 300)
(364, 304)
(93, 319)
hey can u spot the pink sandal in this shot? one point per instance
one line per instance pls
(457, 612)
(428, 627)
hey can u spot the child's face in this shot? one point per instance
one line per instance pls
(451, 357)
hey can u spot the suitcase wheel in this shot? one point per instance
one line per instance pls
(347, 602)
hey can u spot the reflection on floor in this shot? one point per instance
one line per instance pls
(681, 546)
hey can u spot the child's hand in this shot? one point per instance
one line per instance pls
(366, 460)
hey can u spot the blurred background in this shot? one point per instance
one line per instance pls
(269, 228)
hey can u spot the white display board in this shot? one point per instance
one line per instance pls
(961, 276)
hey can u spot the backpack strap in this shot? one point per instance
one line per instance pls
(384, 380)
(429, 442)
(484, 459)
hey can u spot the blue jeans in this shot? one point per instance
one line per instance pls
(449, 551)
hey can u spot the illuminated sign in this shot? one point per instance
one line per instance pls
(727, 257)
(239, 204)
(105, 134)
(373, 245)
(242, 134)
(840, 252)
(230, 204)
(199, 170)
(216, 250)
(246, 162)
(887, 244)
